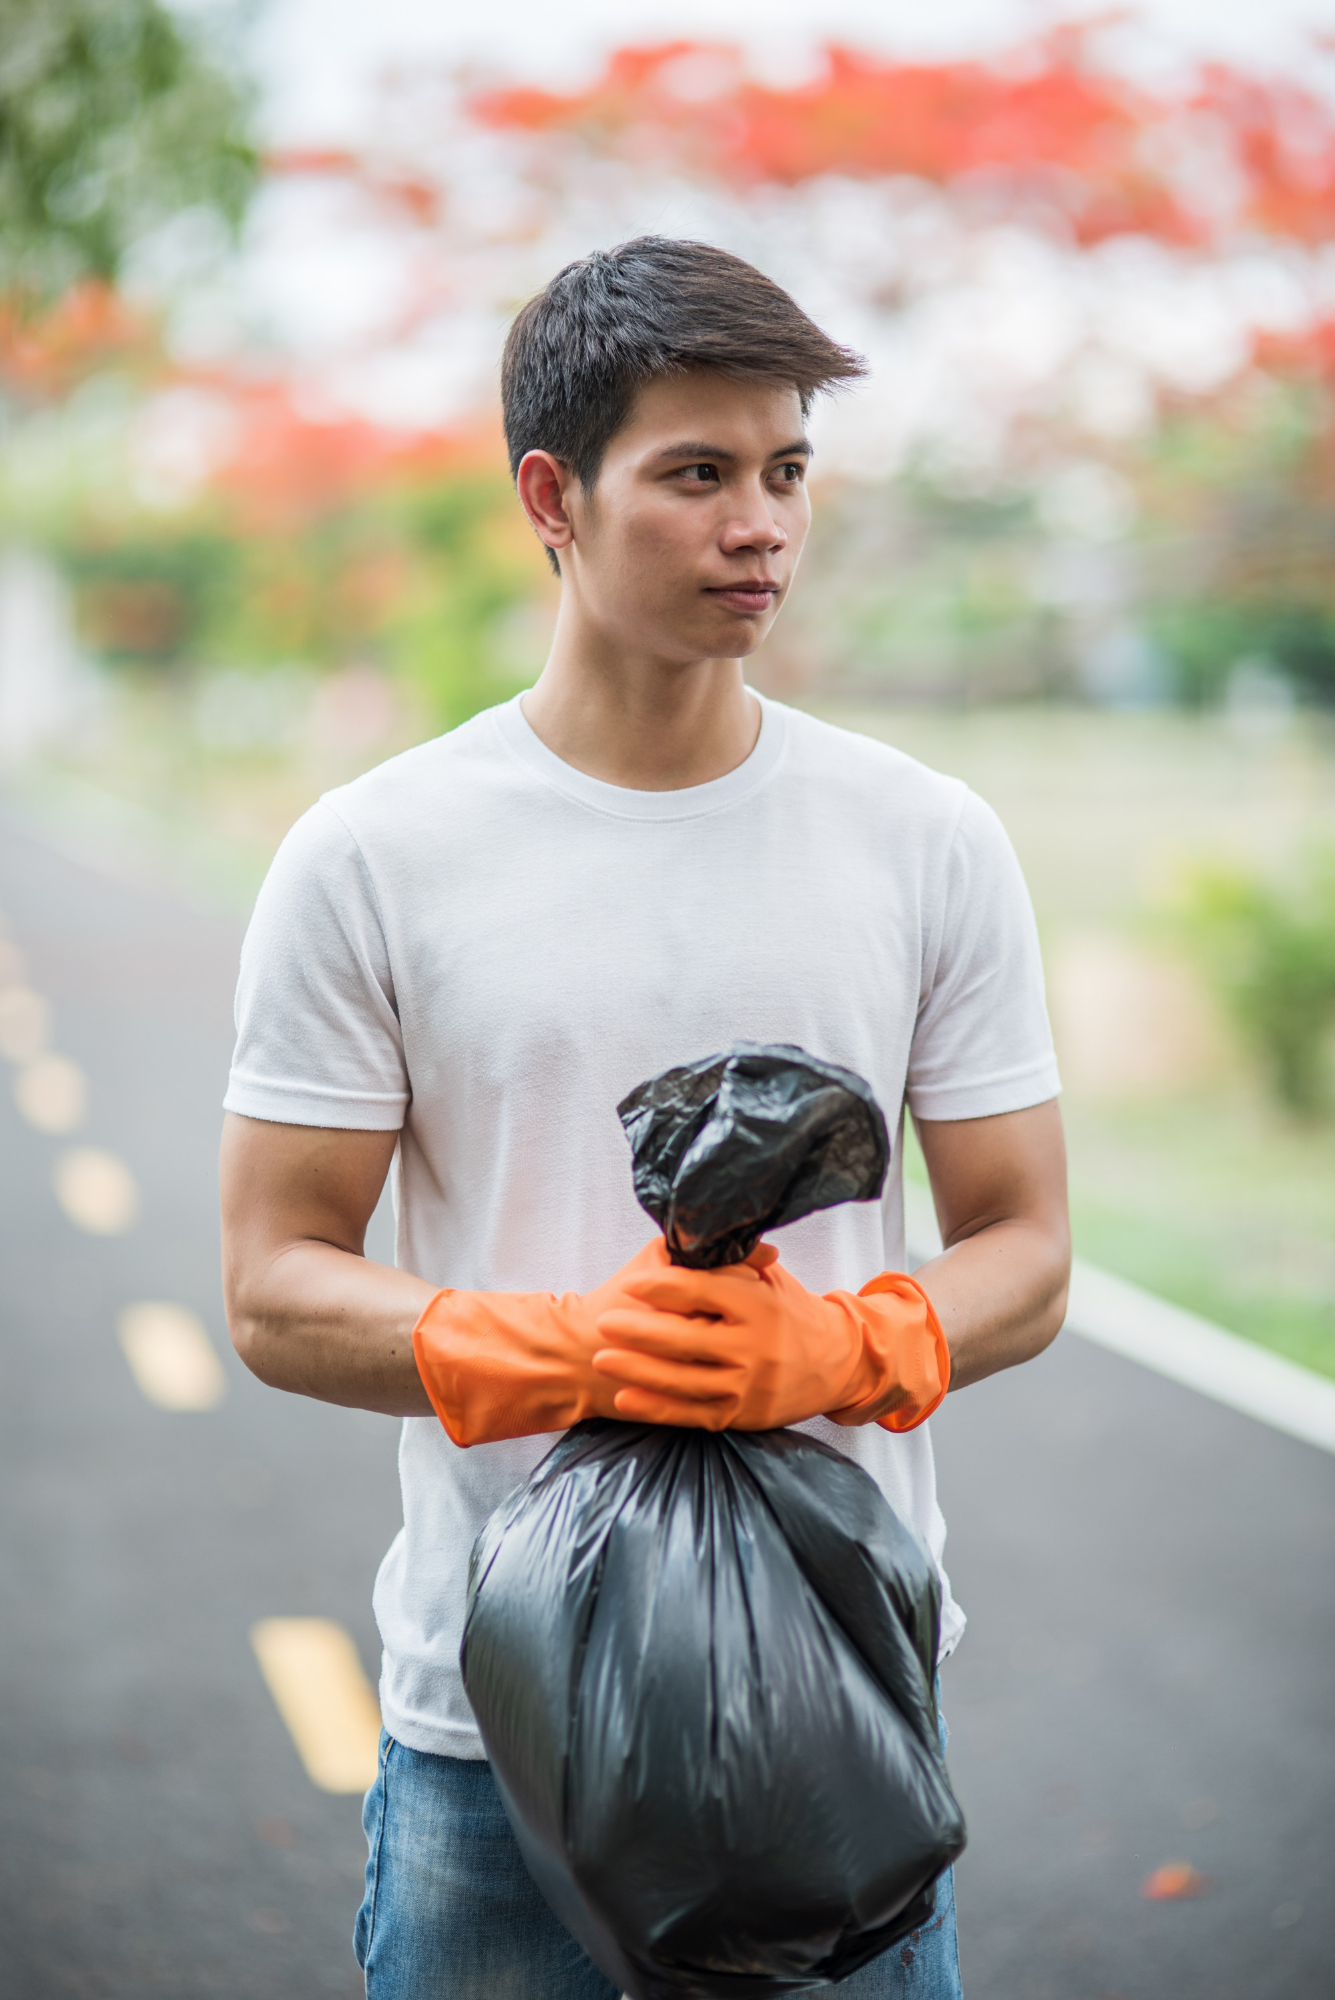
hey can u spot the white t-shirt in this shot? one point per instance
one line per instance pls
(481, 948)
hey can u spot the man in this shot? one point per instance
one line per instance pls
(461, 962)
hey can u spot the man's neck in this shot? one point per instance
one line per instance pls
(647, 725)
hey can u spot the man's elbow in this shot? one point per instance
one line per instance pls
(1051, 1320)
(252, 1331)
(1050, 1315)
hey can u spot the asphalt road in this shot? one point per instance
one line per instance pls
(1147, 1677)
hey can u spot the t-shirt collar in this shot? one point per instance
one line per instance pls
(625, 804)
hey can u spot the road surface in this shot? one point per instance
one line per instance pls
(1147, 1677)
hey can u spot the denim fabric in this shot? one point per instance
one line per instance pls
(452, 1913)
(923, 1966)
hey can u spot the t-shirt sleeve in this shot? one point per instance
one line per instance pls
(982, 1044)
(317, 1028)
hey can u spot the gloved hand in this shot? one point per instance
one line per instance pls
(514, 1364)
(749, 1348)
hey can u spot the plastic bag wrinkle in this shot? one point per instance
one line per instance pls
(737, 1144)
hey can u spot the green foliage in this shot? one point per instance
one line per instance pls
(910, 591)
(1205, 640)
(1272, 953)
(112, 120)
(423, 579)
(152, 598)
(472, 569)
(1238, 535)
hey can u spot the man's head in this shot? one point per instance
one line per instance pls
(654, 399)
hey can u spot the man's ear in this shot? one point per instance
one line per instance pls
(542, 483)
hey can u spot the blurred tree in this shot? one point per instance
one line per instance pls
(45, 353)
(113, 119)
(1272, 953)
(1210, 641)
(1052, 139)
(1059, 137)
(152, 598)
(1238, 502)
(326, 545)
(476, 563)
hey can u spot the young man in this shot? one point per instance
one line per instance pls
(461, 962)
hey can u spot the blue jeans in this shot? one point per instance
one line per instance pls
(452, 1913)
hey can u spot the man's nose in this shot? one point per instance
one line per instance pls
(754, 526)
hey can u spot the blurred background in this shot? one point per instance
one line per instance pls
(1074, 541)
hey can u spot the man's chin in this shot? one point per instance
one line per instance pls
(734, 635)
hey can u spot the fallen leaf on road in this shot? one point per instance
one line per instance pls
(1174, 1883)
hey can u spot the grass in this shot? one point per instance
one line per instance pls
(1219, 1204)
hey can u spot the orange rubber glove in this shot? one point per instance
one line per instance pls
(749, 1348)
(515, 1364)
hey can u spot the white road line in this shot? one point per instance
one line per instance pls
(25, 1023)
(315, 1677)
(1194, 1351)
(97, 1191)
(1175, 1343)
(52, 1094)
(171, 1356)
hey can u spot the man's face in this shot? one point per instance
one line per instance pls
(689, 541)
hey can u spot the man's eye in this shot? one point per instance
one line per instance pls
(792, 472)
(706, 474)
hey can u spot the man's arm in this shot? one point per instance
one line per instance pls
(999, 1286)
(306, 1310)
(308, 1313)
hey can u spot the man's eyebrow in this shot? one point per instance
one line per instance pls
(694, 449)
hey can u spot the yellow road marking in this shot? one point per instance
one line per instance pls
(171, 1356)
(52, 1093)
(25, 1023)
(315, 1677)
(97, 1191)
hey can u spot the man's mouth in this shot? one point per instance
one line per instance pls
(750, 595)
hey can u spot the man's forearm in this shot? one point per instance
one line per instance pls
(999, 1286)
(1000, 1296)
(324, 1322)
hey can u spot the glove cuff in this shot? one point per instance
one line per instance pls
(437, 1346)
(498, 1364)
(906, 1359)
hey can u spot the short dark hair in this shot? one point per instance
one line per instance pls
(577, 353)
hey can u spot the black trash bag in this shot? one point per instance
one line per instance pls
(703, 1671)
(729, 1147)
